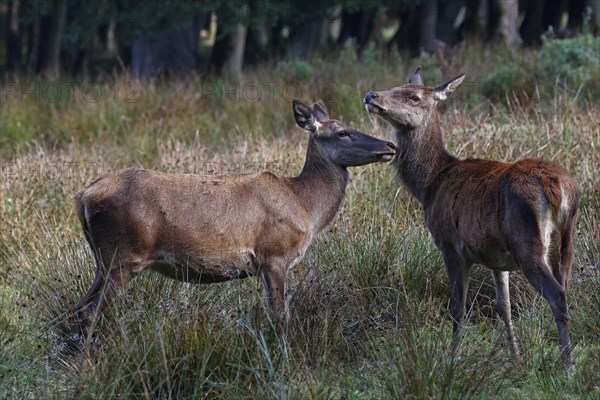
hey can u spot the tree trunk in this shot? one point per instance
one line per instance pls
(576, 10)
(308, 38)
(509, 19)
(470, 26)
(358, 25)
(51, 31)
(540, 15)
(417, 28)
(532, 26)
(594, 5)
(257, 45)
(278, 44)
(232, 67)
(33, 39)
(173, 53)
(428, 15)
(179, 49)
(376, 30)
(552, 16)
(447, 29)
(405, 37)
(13, 39)
(227, 54)
(142, 58)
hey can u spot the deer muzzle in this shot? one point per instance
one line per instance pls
(387, 155)
(370, 103)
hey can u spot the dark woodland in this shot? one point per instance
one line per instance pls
(48, 38)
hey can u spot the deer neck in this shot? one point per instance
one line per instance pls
(421, 156)
(321, 187)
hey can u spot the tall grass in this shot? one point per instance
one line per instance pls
(369, 304)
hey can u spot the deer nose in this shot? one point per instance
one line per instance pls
(370, 96)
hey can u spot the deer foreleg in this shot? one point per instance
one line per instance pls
(458, 277)
(501, 284)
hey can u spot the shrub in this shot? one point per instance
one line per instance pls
(507, 79)
(371, 59)
(294, 71)
(432, 74)
(575, 61)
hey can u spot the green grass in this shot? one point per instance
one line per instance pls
(369, 303)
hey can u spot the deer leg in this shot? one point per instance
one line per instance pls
(526, 244)
(84, 308)
(105, 285)
(458, 277)
(539, 276)
(566, 251)
(503, 305)
(274, 281)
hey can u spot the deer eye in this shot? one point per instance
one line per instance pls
(416, 99)
(343, 133)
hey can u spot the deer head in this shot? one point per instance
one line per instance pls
(338, 143)
(408, 107)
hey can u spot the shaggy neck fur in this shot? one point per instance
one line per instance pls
(321, 186)
(421, 156)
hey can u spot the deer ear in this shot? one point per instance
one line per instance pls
(304, 116)
(415, 76)
(441, 91)
(319, 113)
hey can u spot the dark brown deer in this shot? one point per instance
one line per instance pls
(205, 229)
(506, 216)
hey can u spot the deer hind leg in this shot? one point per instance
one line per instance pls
(106, 283)
(458, 277)
(501, 284)
(566, 251)
(533, 264)
(529, 234)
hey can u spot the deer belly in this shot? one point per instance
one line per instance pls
(494, 258)
(205, 268)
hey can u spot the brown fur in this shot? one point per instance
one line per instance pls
(506, 216)
(205, 229)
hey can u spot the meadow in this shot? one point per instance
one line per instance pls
(369, 303)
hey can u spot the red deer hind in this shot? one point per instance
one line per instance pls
(506, 216)
(205, 229)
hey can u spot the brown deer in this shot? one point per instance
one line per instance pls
(506, 216)
(205, 229)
